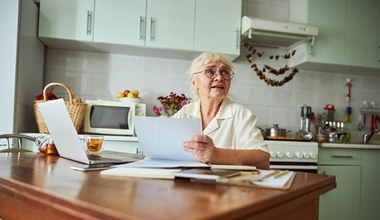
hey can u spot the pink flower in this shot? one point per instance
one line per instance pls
(156, 110)
(183, 103)
(170, 104)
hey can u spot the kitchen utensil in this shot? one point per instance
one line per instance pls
(313, 120)
(302, 119)
(360, 123)
(275, 131)
(330, 112)
(308, 116)
(348, 99)
(365, 105)
(374, 118)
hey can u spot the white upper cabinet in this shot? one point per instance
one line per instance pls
(170, 24)
(217, 26)
(363, 33)
(330, 17)
(181, 25)
(68, 19)
(348, 32)
(120, 22)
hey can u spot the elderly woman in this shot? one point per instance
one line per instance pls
(229, 132)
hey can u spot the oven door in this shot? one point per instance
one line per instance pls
(303, 167)
(293, 155)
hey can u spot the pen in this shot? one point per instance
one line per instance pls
(280, 174)
(274, 173)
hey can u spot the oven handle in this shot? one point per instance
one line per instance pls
(341, 156)
(296, 167)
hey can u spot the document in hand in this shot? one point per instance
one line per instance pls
(161, 141)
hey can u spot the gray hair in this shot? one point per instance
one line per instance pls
(206, 58)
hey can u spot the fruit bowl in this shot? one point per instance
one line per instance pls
(130, 100)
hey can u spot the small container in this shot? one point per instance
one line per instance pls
(330, 112)
(46, 145)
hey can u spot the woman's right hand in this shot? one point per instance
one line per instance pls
(201, 146)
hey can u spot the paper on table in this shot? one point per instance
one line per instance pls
(279, 182)
(232, 167)
(155, 163)
(142, 172)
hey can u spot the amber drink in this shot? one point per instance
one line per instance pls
(94, 143)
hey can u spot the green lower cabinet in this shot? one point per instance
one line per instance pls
(344, 201)
(370, 181)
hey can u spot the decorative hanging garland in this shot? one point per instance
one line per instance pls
(260, 73)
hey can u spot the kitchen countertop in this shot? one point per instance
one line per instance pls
(354, 145)
(106, 137)
(350, 146)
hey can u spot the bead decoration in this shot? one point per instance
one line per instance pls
(268, 69)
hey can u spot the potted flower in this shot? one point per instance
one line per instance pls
(170, 104)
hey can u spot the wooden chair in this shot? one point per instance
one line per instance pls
(17, 145)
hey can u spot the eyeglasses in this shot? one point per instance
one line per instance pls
(211, 73)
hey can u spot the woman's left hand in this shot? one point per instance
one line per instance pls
(201, 146)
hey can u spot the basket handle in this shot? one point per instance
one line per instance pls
(55, 84)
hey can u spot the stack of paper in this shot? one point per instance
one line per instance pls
(155, 173)
(273, 181)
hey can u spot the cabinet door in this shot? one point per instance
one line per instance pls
(69, 19)
(217, 26)
(170, 24)
(120, 21)
(330, 17)
(363, 33)
(344, 201)
(370, 187)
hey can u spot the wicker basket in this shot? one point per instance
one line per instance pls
(75, 107)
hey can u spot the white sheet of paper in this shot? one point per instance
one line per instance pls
(162, 137)
(274, 182)
(142, 172)
(156, 163)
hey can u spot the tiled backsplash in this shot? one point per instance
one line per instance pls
(100, 76)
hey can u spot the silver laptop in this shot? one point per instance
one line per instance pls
(65, 137)
(161, 138)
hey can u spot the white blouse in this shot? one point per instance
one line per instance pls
(233, 127)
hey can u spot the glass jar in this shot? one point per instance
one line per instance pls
(46, 145)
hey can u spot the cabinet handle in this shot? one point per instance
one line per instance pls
(341, 156)
(378, 54)
(152, 27)
(142, 27)
(237, 37)
(89, 22)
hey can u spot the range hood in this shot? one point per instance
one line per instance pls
(276, 34)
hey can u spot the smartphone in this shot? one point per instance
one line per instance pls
(91, 167)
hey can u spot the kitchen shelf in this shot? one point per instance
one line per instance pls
(369, 110)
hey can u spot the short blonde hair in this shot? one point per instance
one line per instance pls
(206, 58)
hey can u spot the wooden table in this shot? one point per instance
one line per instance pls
(35, 186)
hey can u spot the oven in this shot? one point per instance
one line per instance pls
(293, 155)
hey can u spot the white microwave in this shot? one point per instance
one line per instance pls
(112, 117)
